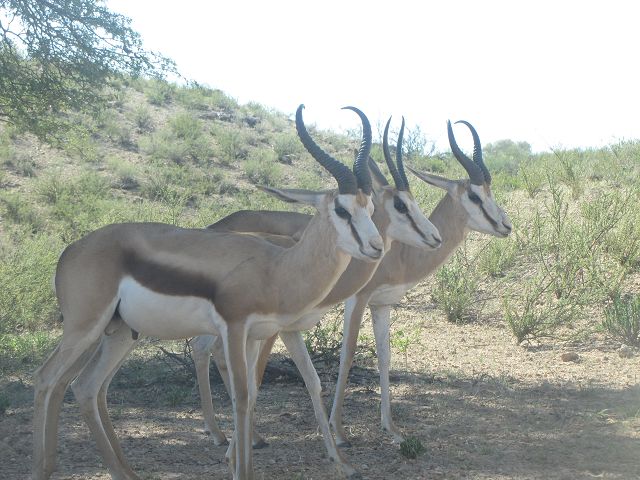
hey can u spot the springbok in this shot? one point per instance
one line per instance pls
(468, 205)
(173, 283)
(397, 217)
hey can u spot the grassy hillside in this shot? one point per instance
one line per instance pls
(190, 155)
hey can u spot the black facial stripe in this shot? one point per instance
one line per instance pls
(345, 215)
(354, 232)
(478, 201)
(415, 226)
(493, 223)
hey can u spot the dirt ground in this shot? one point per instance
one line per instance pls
(482, 407)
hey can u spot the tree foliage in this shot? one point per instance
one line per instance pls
(57, 55)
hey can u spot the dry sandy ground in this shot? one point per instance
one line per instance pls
(482, 407)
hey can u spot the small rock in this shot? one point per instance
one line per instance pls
(570, 357)
(625, 351)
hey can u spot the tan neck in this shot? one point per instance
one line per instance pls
(404, 264)
(310, 268)
(359, 272)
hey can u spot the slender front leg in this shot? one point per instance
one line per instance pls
(353, 311)
(380, 314)
(298, 350)
(217, 352)
(201, 348)
(239, 453)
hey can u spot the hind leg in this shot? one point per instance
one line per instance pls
(90, 390)
(202, 347)
(50, 383)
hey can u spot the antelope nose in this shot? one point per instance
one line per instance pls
(377, 244)
(437, 241)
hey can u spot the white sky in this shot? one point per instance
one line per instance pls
(552, 73)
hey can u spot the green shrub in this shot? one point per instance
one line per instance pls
(411, 447)
(455, 289)
(21, 162)
(185, 126)
(622, 319)
(125, 173)
(262, 169)
(231, 144)
(142, 118)
(159, 92)
(199, 97)
(287, 147)
(80, 144)
(496, 257)
(25, 350)
(177, 143)
(21, 211)
(533, 179)
(119, 133)
(324, 341)
(26, 298)
(532, 311)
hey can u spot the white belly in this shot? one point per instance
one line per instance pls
(389, 294)
(166, 316)
(307, 321)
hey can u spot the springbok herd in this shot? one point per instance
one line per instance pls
(255, 275)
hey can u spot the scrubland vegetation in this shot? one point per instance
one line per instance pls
(190, 155)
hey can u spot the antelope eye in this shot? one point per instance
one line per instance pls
(474, 198)
(400, 205)
(342, 212)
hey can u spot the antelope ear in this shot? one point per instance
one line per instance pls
(294, 195)
(379, 180)
(435, 180)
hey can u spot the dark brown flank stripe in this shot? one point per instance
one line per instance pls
(168, 280)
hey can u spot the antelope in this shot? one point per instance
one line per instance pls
(468, 205)
(398, 219)
(138, 278)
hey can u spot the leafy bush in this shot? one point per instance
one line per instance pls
(455, 289)
(497, 257)
(27, 299)
(411, 447)
(142, 119)
(20, 162)
(287, 147)
(125, 173)
(159, 92)
(262, 169)
(231, 144)
(324, 341)
(183, 140)
(622, 319)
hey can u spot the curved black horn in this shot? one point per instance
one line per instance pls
(475, 173)
(375, 170)
(397, 178)
(477, 151)
(363, 175)
(403, 175)
(347, 182)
